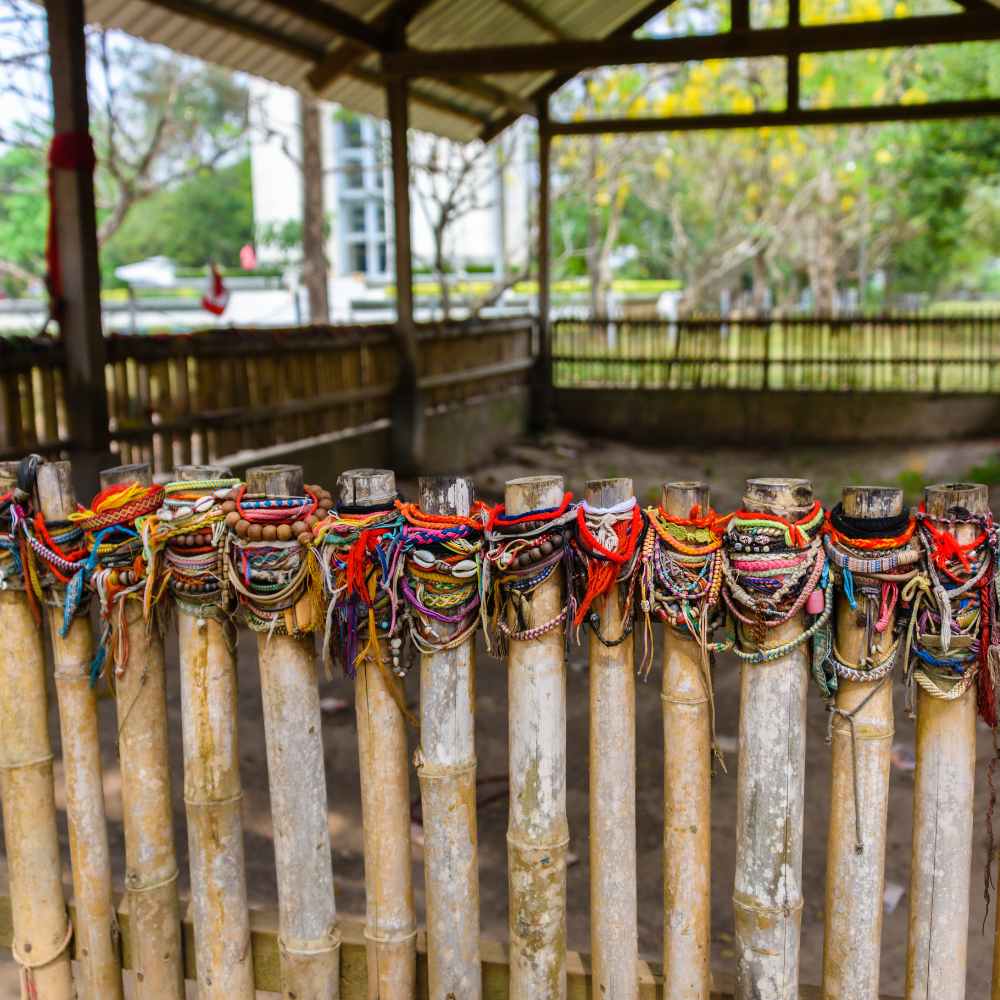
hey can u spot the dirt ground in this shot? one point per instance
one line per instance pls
(579, 460)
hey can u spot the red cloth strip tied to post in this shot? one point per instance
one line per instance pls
(67, 151)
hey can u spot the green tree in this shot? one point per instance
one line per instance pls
(23, 218)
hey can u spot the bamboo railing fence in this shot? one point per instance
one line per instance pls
(871, 354)
(201, 397)
(866, 589)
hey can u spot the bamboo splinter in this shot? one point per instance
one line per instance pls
(95, 927)
(862, 731)
(307, 913)
(943, 799)
(767, 897)
(446, 766)
(538, 829)
(213, 794)
(150, 859)
(41, 924)
(390, 917)
(687, 796)
(614, 918)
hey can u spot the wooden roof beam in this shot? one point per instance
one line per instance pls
(580, 55)
(791, 117)
(538, 18)
(326, 15)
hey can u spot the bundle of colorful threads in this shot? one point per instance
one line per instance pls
(361, 557)
(271, 562)
(523, 552)
(872, 560)
(116, 565)
(774, 568)
(952, 638)
(440, 579)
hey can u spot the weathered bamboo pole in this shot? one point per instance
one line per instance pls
(446, 766)
(390, 916)
(687, 796)
(538, 829)
(41, 925)
(96, 926)
(767, 897)
(943, 790)
(862, 731)
(213, 793)
(147, 812)
(310, 938)
(614, 920)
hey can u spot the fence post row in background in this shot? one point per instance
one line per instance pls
(150, 857)
(861, 731)
(95, 926)
(289, 683)
(687, 794)
(446, 766)
(213, 793)
(613, 893)
(943, 799)
(538, 829)
(767, 897)
(390, 917)
(41, 925)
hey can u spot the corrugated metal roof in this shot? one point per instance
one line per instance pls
(266, 39)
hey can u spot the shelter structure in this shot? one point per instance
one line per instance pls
(435, 65)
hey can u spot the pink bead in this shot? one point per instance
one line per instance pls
(815, 603)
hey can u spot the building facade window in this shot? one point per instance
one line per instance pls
(361, 209)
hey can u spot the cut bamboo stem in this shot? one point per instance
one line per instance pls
(767, 897)
(307, 912)
(862, 732)
(213, 794)
(614, 921)
(147, 812)
(390, 916)
(95, 927)
(538, 830)
(41, 925)
(943, 791)
(446, 766)
(687, 796)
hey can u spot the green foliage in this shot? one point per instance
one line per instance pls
(23, 218)
(912, 483)
(988, 472)
(207, 218)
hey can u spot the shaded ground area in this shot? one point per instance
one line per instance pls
(579, 460)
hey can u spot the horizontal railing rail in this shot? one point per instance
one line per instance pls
(877, 354)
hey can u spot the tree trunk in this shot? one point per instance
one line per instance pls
(314, 263)
(825, 271)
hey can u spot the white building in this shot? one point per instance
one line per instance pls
(358, 195)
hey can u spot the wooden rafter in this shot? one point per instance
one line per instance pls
(792, 116)
(538, 18)
(326, 15)
(580, 55)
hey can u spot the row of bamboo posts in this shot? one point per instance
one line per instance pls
(767, 893)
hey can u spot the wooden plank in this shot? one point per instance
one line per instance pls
(590, 54)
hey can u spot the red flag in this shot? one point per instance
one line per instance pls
(216, 296)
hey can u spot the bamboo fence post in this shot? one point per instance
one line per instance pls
(150, 858)
(767, 897)
(213, 793)
(614, 920)
(687, 796)
(538, 829)
(41, 925)
(96, 926)
(390, 916)
(309, 935)
(944, 785)
(862, 732)
(446, 766)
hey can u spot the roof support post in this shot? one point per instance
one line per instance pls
(407, 405)
(542, 381)
(77, 303)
